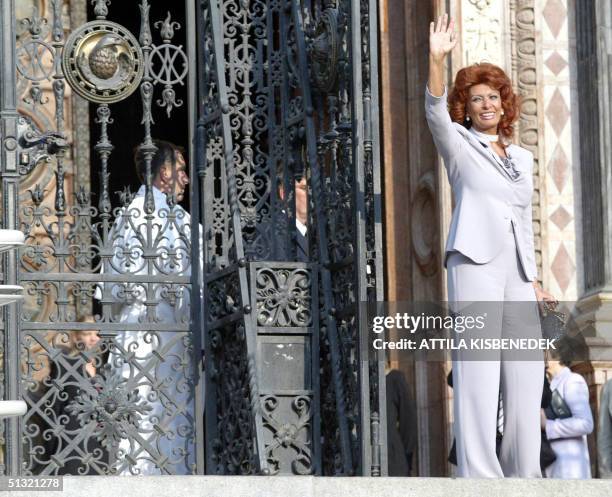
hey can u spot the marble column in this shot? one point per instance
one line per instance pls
(593, 22)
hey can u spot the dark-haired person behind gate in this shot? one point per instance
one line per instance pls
(156, 363)
(76, 366)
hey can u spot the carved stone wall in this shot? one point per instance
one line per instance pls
(80, 112)
(482, 31)
(525, 77)
(558, 205)
(36, 101)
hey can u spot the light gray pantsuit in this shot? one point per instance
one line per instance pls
(490, 257)
(477, 382)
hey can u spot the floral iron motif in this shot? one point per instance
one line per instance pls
(116, 410)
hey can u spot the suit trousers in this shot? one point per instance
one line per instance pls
(500, 288)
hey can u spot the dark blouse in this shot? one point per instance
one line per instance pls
(86, 456)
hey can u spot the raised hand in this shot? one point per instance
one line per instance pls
(442, 37)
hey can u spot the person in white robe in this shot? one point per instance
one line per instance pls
(158, 364)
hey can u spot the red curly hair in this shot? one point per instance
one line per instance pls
(490, 75)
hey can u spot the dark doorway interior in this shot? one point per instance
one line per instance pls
(126, 132)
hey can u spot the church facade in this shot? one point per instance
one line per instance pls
(261, 93)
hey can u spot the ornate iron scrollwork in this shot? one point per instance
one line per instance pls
(137, 414)
(285, 89)
(114, 408)
(103, 62)
(168, 74)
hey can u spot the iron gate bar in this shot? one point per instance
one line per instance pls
(101, 277)
(373, 217)
(335, 195)
(365, 125)
(10, 188)
(196, 154)
(111, 328)
(327, 310)
(212, 18)
(358, 195)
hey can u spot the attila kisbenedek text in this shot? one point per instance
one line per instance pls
(457, 323)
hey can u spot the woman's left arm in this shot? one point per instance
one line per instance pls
(527, 223)
(576, 396)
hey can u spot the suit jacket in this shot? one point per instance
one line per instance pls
(401, 424)
(604, 433)
(487, 201)
(301, 246)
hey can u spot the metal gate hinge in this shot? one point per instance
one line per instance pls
(35, 145)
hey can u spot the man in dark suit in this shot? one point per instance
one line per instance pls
(301, 216)
(301, 219)
(401, 423)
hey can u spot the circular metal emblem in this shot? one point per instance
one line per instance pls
(325, 51)
(103, 62)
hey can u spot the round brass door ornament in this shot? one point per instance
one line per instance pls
(325, 51)
(103, 62)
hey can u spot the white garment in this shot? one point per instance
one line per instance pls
(568, 436)
(166, 432)
(302, 228)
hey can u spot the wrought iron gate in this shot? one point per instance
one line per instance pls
(285, 89)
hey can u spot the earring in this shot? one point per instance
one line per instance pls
(468, 118)
(502, 112)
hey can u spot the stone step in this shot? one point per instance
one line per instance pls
(308, 486)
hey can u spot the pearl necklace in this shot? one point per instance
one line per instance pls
(485, 136)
